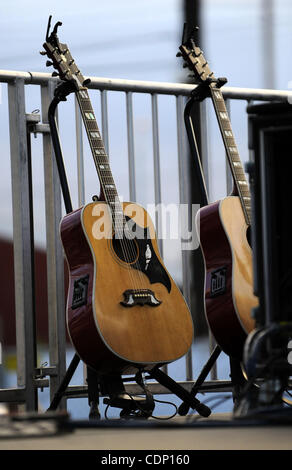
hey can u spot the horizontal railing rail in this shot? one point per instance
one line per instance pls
(21, 124)
(140, 86)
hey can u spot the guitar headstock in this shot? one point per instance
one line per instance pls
(61, 58)
(194, 58)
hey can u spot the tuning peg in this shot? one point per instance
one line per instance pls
(55, 74)
(43, 53)
(185, 65)
(179, 54)
(49, 63)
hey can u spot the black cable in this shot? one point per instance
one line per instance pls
(167, 417)
(256, 375)
(149, 397)
(140, 408)
(226, 397)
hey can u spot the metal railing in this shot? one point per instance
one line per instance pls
(21, 125)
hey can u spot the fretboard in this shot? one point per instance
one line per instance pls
(232, 151)
(100, 156)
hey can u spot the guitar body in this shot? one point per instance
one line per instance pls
(229, 297)
(123, 309)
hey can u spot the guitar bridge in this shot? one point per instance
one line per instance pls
(134, 297)
(218, 282)
(80, 292)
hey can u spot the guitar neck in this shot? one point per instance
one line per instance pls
(232, 151)
(99, 154)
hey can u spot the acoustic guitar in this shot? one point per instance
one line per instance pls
(224, 228)
(124, 311)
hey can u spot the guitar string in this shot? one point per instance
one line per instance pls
(108, 199)
(127, 246)
(214, 89)
(80, 99)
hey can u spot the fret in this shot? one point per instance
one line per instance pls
(95, 135)
(107, 175)
(231, 150)
(101, 161)
(221, 107)
(108, 181)
(100, 156)
(100, 152)
(228, 134)
(244, 193)
(89, 115)
(230, 142)
(223, 115)
(83, 94)
(86, 104)
(104, 167)
(240, 178)
(91, 125)
(88, 110)
(218, 95)
(245, 190)
(97, 143)
(226, 123)
(240, 175)
(238, 168)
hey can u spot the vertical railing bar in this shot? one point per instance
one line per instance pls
(22, 243)
(183, 199)
(229, 179)
(55, 258)
(157, 176)
(131, 148)
(104, 119)
(80, 155)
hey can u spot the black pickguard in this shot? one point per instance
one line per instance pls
(153, 269)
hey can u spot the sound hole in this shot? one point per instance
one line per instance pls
(126, 250)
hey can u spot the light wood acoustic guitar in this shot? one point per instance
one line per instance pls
(124, 311)
(224, 228)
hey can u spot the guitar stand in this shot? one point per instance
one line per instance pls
(201, 92)
(133, 406)
(113, 385)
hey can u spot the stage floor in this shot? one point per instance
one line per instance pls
(218, 432)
